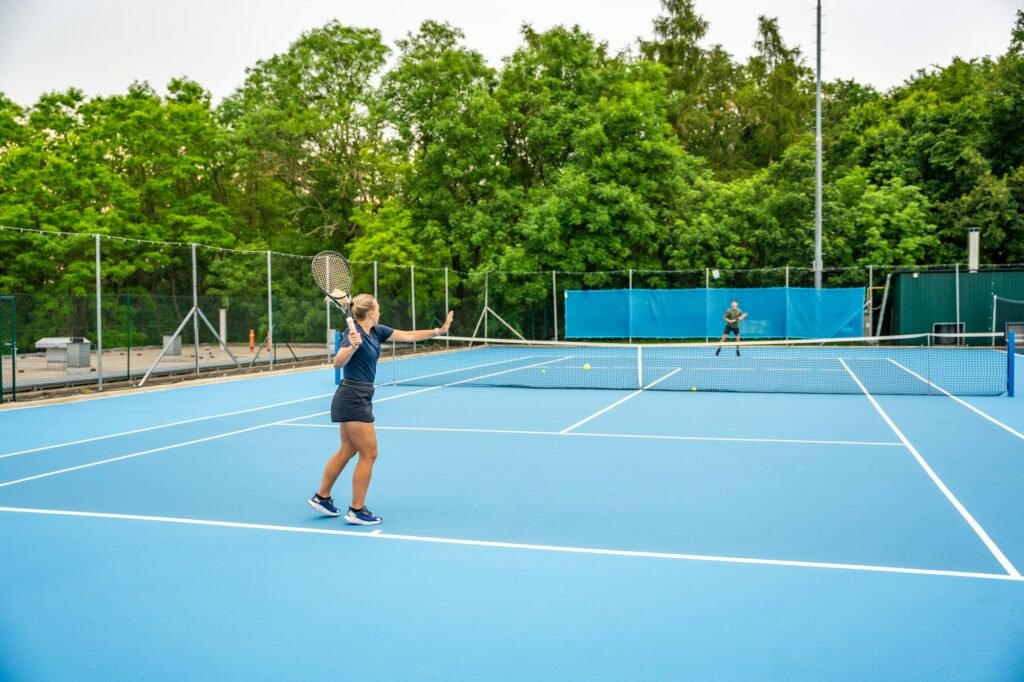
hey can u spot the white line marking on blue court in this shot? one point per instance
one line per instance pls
(507, 371)
(962, 402)
(199, 440)
(398, 382)
(619, 402)
(992, 547)
(263, 373)
(581, 434)
(164, 426)
(380, 535)
(148, 452)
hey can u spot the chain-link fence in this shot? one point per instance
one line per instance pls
(111, 309)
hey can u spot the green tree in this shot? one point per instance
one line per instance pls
(304, 140)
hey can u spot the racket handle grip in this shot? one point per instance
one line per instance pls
(351, 323)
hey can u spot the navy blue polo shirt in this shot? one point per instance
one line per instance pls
(362, 366)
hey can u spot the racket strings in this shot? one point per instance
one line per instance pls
(332, 274)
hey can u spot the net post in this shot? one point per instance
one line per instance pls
(412, 298)
(195, 305)
(487, 302)
(99, 316)
(337, 347)
(446, 343)
(554, 301)
(270, 315)
(639, 366)
(1011, 351)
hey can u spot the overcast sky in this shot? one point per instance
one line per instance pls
(101, 46)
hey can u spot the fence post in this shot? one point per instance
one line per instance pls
(99, 316)
(128, 324)
(707, 303)
(956, 273)
(375, 279)
(270, 315)
(195, 305)
(554, 302)
(412, 296)
(871, 299)
(630, 316)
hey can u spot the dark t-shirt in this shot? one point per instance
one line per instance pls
(733, 317)
(362, 366)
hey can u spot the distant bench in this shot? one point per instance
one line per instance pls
(65, 351)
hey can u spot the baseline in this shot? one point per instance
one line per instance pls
(378, 534)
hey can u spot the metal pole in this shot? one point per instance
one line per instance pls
(327, 314)
(446, 300)
(486, 302)
(871, 299)
(707, 303)
(128, 324)
(957, 275)
(99, 317)
(195, 305)
(375, 279)
(270, 315)
(817, 163)
(14, 353)
(554, 301)
(995, 300)
(630, 317)
(412, 291)
(787, 276)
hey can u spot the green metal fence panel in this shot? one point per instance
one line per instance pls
(924, 299)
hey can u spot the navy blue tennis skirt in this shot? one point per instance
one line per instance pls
(353, 402)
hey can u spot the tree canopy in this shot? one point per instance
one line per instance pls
(568, 157)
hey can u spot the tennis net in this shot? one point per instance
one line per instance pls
(894, 365)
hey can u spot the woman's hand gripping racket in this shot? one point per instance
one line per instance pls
(333, 276)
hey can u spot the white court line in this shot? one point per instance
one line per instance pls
(619, 402)
(992, 547)
(612, 435)
(163, 426)
(399, 382)
(147, 452)
(379, 534)
(962, 402)
(514, 369)
(191, 442)
(157, 388)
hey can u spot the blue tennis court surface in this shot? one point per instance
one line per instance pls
(576, 534)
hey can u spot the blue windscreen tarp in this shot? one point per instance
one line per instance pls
(781, 312)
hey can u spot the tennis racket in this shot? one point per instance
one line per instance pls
(333, 276)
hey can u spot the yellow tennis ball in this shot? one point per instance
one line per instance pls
(693, 388)
(586, 365)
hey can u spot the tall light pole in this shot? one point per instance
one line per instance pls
(817, 163)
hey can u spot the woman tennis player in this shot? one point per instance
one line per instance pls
(352, 406)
